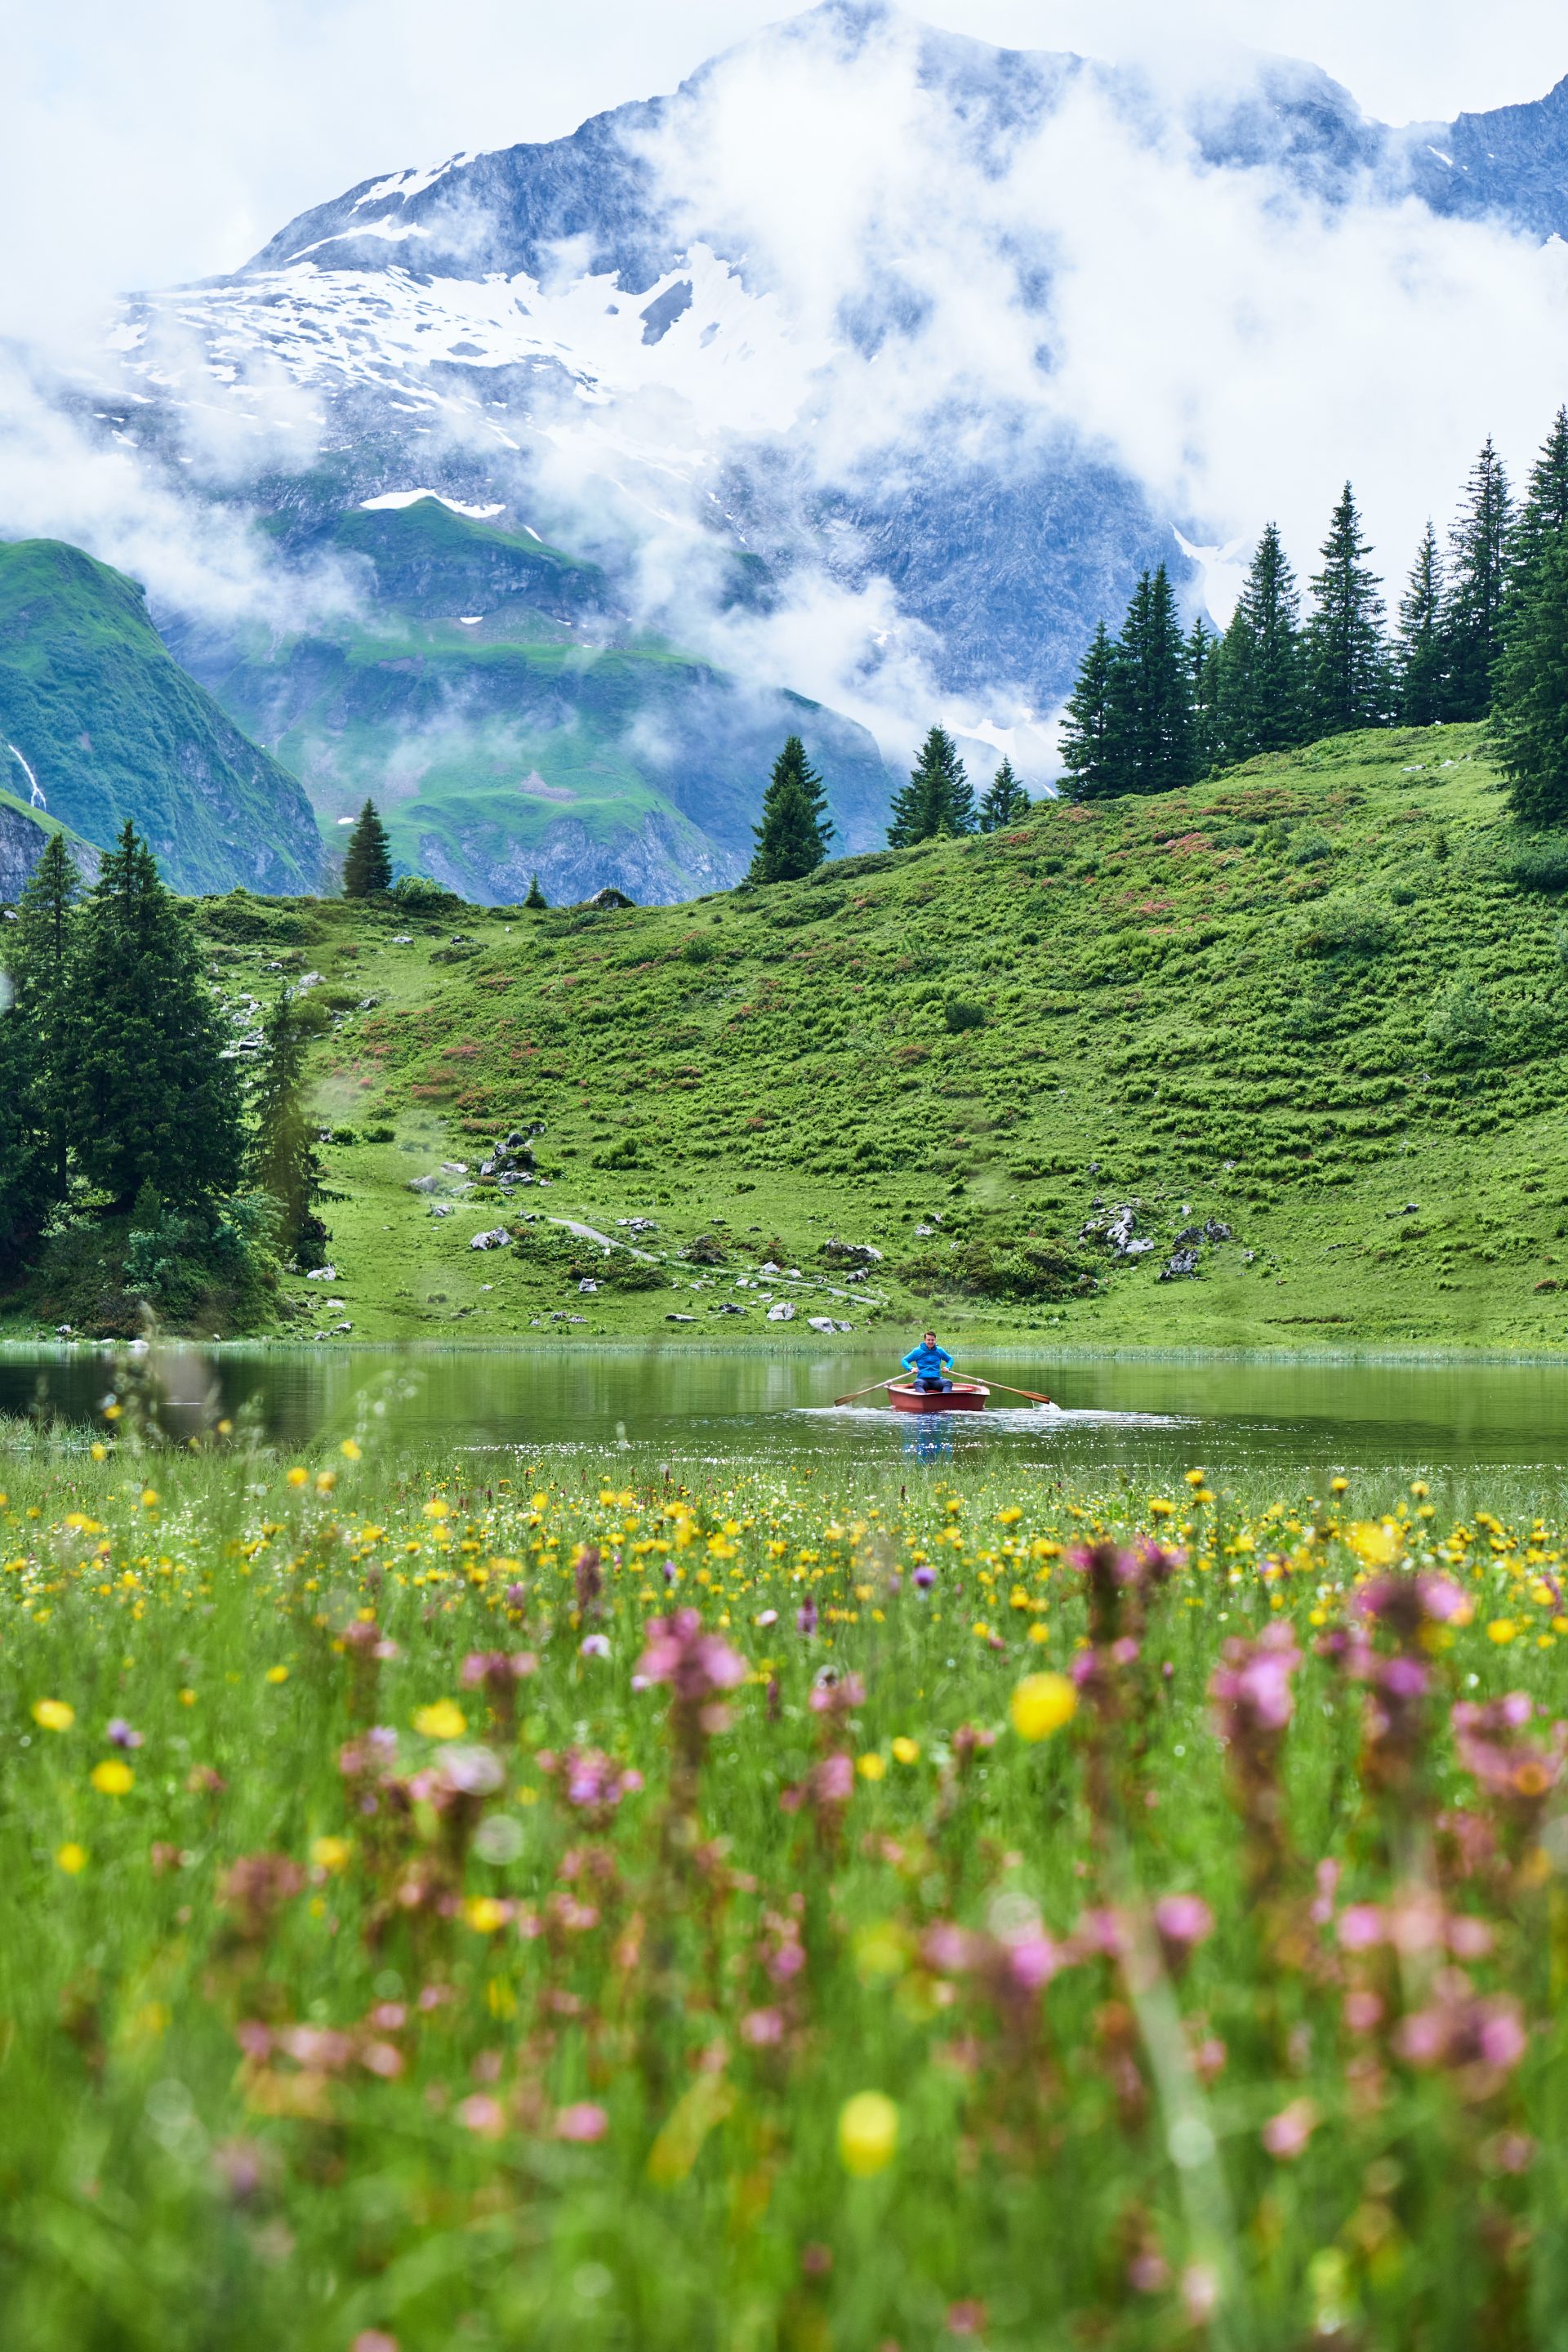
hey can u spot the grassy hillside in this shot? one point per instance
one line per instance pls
(1323, 1003)
(506, 719)
(112, 727)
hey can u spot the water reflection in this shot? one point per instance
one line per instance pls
(1141, 1418)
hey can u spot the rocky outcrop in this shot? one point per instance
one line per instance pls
(22, 840)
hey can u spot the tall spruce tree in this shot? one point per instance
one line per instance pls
(1530, 710)
(154, 1100)
(793, 837)
(1088, 753)
(1348, 682)
(1473, 607)
(1150, 704)
(1543, 516)
(1203, 688)
(939, 797)
(1006, 801)
(284, 1160)
(367, 869)
(42, 968)
(1421, 647)
(536, 899)
(24, 1171)
(1260, 669)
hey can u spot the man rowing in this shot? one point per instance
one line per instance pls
(931, 1365)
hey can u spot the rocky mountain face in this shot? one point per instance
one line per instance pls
(746, 401)
(23, 836)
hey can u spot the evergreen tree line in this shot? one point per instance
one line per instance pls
(121, 1095)
(796, 830)
(1482, 632)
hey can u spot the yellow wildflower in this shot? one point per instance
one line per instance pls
(1041, 1705)
(53, 1713)
(113, 1778)
(333, 1853)
(867, 2134)
(906, 1751)
(441, 1720)
(71, 1858)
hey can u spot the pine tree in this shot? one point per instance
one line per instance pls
(1005, 803)
(1543, 516)
(1150, 707)
(1088, 752)
(283, 1157)
(939, 797)
(1421, 654)
(1472, 613)
(1203, 688)
(1348, 684)
(24, 1171)
(154, 1100)
(1530, 710)
(41, 963)
(536, 898)
(367, 869)
(1260, 681)
(793, 837)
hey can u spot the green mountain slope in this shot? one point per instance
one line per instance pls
(112, 727)
(507, 719)
(1323, 1003)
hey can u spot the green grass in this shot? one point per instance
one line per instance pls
(113, 729)
(345, 2101)
(1294, 1001)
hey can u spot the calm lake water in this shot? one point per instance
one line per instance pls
(1145, 1417)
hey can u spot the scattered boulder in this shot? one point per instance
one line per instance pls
(827, 1324)
(772, 1267)
(851, 1254)
(670, 1318)
(727, 1307)
(1182, 1267)
(424, 1183)
(454, 1167)
(322, 1274)
(783, 1312)
(496, 1237)
(587, 1285)
(1216, 1230)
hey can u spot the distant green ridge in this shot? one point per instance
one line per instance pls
(113, 729)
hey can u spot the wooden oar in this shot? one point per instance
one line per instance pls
(1030, 1393)
(865, 1391)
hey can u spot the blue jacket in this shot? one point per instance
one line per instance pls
(928, 1362)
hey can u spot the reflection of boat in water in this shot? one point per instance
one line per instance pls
(964, 1396)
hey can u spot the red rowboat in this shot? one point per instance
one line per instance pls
(964, 1396)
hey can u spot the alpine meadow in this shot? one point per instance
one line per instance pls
(783, 1229)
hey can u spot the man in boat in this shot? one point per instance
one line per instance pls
(930, 1365)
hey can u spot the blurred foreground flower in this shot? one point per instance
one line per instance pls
(444, 1719)
(1042, 1705)
(113, 1778)
(53, 1713)
(868, 2133)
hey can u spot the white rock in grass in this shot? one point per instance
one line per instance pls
(783, 1313)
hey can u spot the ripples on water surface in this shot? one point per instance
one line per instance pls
(1145, 1418)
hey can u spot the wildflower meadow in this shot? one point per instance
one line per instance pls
(488, 1904)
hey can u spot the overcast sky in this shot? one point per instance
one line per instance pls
(144, 145)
